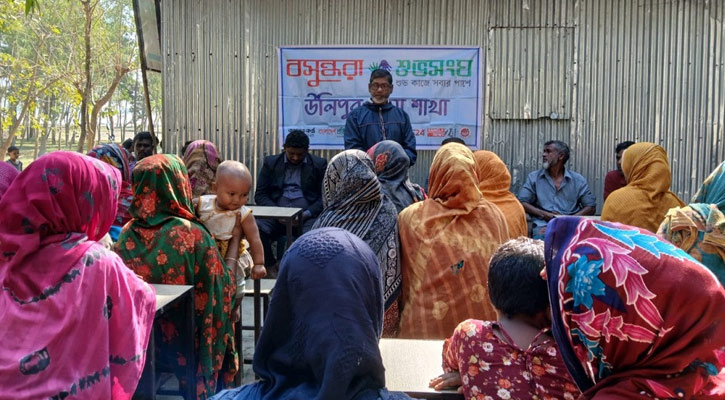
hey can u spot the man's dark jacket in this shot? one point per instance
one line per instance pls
(365, 124)
(271, 179)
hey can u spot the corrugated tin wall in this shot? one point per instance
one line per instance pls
(591, 73)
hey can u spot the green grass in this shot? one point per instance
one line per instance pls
(27, 147)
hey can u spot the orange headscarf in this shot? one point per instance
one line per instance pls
(647, 197)
(446, 242)
(494, 181)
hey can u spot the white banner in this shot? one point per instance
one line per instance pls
(439, 87)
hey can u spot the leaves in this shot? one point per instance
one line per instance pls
(31, 5)
(42, 55)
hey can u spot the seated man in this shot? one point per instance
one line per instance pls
(554, 190)
(144, 145)
(615, 178)
(292, 178)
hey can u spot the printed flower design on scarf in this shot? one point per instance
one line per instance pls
(586, 282)
(380, 162)
(165, 243)
(603, 284)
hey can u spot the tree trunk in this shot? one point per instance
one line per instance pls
(68, 120)
(100, 103)
(46, 131)
(112, 133)
(123, 121)
(27, 101)
(88, 12)
(36, 143)
(67, 134)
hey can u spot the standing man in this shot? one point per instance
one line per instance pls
(144, 145)
(292, 178)
(615, 179)
(555, 190)
(378, 119)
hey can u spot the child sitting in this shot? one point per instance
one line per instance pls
(229, 221)
(514, 357)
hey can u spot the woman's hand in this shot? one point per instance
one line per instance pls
(447, 381)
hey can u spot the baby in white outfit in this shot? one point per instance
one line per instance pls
(232, 224)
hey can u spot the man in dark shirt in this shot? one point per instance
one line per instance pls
(615, 179)
(378, 119)
(144, 145)
(292, 178)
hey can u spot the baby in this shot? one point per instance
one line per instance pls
(229, 221)
(514, 357)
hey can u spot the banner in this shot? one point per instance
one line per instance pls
(439, 87)
(148, 23)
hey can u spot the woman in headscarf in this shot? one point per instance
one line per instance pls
(165, 243)
(75, 321)
(8, 173)
(647, 197)
(494, 181)
(633, 316)
(320, 337)
(201, 159)
(446, 242)
(115, 155)
(392, 165)
(699, 228)
(353, 200)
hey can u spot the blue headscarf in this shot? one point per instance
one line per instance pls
(320, 337)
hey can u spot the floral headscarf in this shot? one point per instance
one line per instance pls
(699, 228)
(392, 165)
(633, 316)
(165, 243)
(116, 155)
(58, 282)
(201, 159)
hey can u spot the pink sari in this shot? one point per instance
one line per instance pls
(8, 173)
(75, 320)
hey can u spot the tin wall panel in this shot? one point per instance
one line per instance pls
(626, 70)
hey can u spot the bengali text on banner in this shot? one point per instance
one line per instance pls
(439, 87)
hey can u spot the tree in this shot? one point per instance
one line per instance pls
(62, 70)
(28, 64)
(114, 55)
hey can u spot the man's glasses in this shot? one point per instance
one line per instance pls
(384, 86)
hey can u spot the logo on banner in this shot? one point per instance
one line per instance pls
(465, 132)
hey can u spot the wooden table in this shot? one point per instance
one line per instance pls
(410, 364)
(167, 296)
(289, 215)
